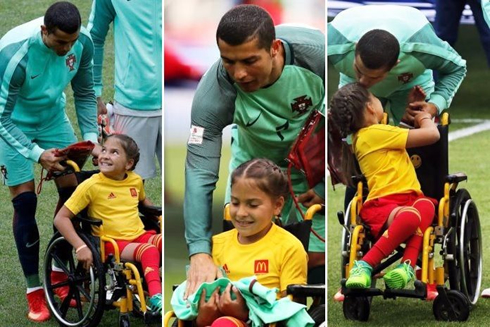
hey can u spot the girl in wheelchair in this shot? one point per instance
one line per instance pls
(256, 246)
(113, 195)
(395, 210)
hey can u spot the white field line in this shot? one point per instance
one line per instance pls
(460, 133)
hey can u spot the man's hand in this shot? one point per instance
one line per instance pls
(416, 107)
(208, 311)
(235, 308)
(310, 198)
(202, 269)
(50, 161)
(96, 150)
(101, 108)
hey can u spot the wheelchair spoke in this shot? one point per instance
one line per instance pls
(60, 263)
(65, 305)
(81, 290)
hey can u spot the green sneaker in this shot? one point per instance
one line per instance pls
(399, 277)
(156, 303)
(360, 275)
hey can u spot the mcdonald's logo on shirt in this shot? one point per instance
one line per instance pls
(261, 266)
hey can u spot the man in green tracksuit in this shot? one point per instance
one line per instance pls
(267, 83)
(37, 61)
(138, 72)
(420, 53)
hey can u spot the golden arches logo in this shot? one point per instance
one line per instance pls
(261, 266)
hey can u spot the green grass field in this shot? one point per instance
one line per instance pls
(465, 155)
(13, 306)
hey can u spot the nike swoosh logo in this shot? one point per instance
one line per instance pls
(250, 123)
(28, 245)
(34, 76)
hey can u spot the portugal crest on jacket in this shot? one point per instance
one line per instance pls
(70, 61)
(301, 104)
(405, 77)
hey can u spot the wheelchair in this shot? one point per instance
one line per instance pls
(109, 284)
(297, 292)
(456, 230)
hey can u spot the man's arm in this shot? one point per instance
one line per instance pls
(83, 92)
(212, 110)
(101, 16)
(13, 60)
(438, 55)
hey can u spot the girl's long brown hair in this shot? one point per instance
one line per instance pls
(347, 112)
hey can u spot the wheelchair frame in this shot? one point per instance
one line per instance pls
(109, 284)
(456, 229)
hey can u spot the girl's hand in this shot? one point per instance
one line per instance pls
(235, 308)
(208, 311)
(421, 116)
(84, 255)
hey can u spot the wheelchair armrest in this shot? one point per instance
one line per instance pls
(359, 178)
(456, 178)
(306, 290)
(154, 211)
(89, 220)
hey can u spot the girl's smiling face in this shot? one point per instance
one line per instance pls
(113, 161)
(252, 210)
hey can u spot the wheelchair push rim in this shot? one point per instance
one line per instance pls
(87, 288)
(466, 271)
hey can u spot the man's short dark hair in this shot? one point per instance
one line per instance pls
(378, 49)
(244, 23)
(63, 16)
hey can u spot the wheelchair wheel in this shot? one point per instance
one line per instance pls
(344, 243)
(124, 320)
(356, 308)
(86, 287)
(458, 308)
(465, 271)
(186, 323)
(317, 313)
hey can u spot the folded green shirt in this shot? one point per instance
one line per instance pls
(262, 302)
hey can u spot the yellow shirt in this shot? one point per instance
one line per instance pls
(115, 202)
(277, 260)
(384, 161)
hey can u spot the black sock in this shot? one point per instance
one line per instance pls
(26, 236)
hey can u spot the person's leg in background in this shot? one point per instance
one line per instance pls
(145, 127)
(482, 26)
(448, 15)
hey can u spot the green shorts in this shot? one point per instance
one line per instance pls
(57, 134)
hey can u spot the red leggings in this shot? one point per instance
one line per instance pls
(408, 225)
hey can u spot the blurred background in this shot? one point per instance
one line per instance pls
(190, 49)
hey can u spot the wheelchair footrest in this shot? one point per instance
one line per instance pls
(306, 290)
(420, 291)
(152, 317)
